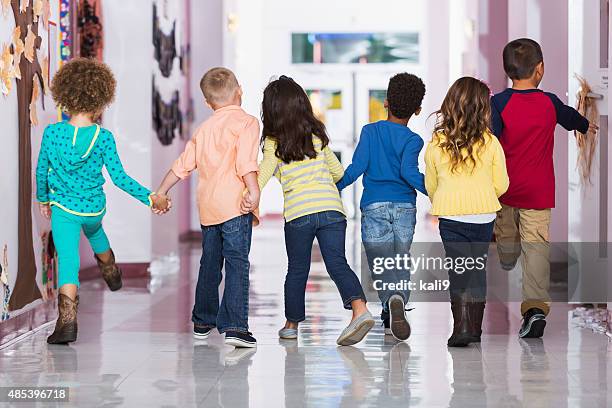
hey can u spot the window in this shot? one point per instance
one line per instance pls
(355, 48)
(377, 109)
(324, 100)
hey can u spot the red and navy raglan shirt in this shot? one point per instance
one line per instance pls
(524, 121)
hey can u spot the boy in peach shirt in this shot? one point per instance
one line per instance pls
(224, 151)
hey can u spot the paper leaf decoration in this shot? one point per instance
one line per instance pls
(18, 48)
(45, 74)
(6, 5)
(7, 72)
(23, 5)
(30, 41)
(46, 12)
(37, 10)
(17, 42)
(35, 94)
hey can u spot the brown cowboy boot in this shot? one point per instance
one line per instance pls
(476, 310)
(461, 336)
(110, 272)
(66, 326)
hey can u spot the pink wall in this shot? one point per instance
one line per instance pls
(492, 36)
(207, 52)
(554, 41)
(545, 21)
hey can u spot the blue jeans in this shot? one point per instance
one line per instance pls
(386, 231)
(229, 243)
(329, 227)
(467, 240)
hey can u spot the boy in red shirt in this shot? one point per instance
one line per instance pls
(524, 118)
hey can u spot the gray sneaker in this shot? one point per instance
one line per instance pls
(356, 330)
(288, 334)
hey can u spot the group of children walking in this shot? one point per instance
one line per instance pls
(488, 168)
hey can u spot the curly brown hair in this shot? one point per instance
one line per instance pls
(463, 120)
(83, 85)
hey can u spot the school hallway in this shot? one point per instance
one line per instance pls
(135, 349)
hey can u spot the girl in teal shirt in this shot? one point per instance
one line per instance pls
(70, 182)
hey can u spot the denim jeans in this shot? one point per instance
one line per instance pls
(386, 231)
(467, 240)
(228, 243)
(329, 227)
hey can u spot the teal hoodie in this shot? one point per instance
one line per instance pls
(69, 171)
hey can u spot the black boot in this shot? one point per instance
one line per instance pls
(110, 272)
(66, 326)
(476, 311)
(461, 336)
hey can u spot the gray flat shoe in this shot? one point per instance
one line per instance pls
(288, 334)
(356, 330)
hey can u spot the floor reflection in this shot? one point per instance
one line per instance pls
(135, 349)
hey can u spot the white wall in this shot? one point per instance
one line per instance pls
(129, 52)
(207, 52)
(260, 47)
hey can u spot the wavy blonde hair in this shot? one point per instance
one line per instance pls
(463, 120)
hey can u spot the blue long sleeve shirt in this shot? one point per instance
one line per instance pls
(388, 157)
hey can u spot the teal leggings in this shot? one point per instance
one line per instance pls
(66, 230)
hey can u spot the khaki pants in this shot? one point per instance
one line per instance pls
(521, 231)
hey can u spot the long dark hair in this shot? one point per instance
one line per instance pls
(463, 119)
(288, 118)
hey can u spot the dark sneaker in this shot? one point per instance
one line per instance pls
(239, 339)
(400, 328)
(533, 324)
(387, 326)
(201, 333)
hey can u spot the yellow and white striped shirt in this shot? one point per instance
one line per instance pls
(309, 186)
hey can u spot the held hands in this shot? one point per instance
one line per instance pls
(45, 210)
(161, 204)
(593, 127)
(250, 202)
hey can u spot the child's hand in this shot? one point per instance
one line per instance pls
(45, 210)
(161, 204)
(593, 127)
(249, 203)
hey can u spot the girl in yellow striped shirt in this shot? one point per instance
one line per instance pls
(296, 151)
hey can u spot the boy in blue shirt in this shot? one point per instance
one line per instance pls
(387, 155)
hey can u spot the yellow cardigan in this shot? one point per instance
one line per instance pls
(465, 192)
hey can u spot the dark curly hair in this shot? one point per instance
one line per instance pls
(83, 86)
(405, 95)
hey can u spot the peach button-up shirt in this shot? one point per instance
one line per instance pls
(223, 150)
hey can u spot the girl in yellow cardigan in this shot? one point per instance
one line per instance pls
(465, 174)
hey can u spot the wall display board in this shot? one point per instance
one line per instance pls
(36, 38)
(31, 18)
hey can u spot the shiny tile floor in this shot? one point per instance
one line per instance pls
(135, 349)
